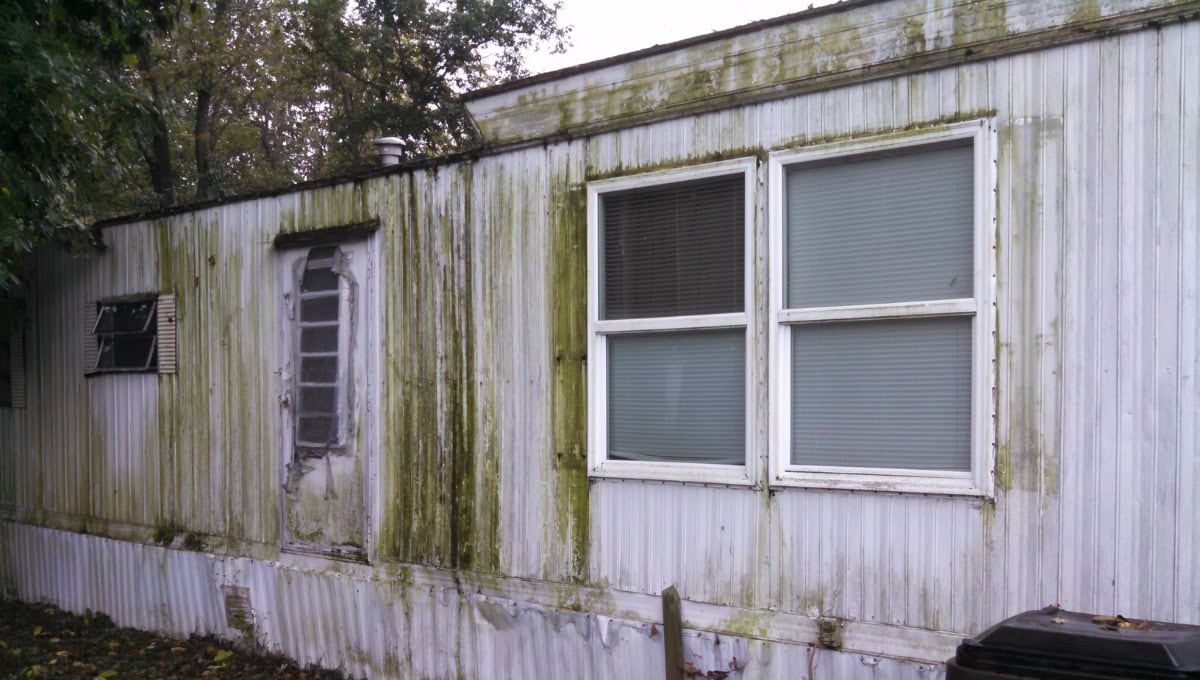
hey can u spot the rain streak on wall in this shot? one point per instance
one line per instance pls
(482, 412)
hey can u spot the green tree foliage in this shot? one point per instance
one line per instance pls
(261, 93)
(116, 106)
(64, 114)
(394, 67)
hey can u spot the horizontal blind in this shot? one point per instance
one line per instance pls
(674, 249)
(678, 397)
(883, 394)
(882, 229)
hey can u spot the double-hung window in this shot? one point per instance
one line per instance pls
(881, 313)
(669, 329)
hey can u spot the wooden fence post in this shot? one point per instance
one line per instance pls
(673, 633)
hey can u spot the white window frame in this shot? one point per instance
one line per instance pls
(598, 331)
(979, 480)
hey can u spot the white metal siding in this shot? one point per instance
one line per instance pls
(1097, 457)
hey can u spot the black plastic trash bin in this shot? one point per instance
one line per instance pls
(1055, 644)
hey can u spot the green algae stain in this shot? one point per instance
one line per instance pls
(1027, 458)
(436, 463)
(724, 154)
(568, 293)
(748, 624)
(1086, 11)
(987, 20)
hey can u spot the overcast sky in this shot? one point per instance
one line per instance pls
(604, 28)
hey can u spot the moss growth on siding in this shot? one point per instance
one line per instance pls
(746, 623)
(914, 129)
(568, 314)
(193, 541)
(164, 534)
(1087, 11)
(724, 154)
(985, 19)
(1026, 458)
(435, 462)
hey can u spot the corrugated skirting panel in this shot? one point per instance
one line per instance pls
(380, 628)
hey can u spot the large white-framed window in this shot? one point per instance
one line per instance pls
(881, 312)
(670, 324)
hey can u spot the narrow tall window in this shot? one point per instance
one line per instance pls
(669, 322)
(321, 351)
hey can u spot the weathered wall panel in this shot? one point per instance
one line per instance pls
(383, 628)
(478, 425)
(839, 45)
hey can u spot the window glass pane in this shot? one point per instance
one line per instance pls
(897, 228)
(674, 249)
(5, 358)
(316, 430)
(318, 369)
(678, 397)
(125, 317)
(127, 352)
(5, 390)
(318, 400)
(319, 309)
(319, 339)
(318, 279)
(883, 394)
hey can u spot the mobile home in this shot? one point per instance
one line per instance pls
(863, 328)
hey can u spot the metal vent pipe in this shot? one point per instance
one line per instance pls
(390, 150)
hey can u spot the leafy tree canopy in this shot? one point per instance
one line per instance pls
(63, 114)
(117, 106)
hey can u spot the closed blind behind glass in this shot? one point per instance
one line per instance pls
(890, 229)
(883, 394)
(678, 397)
(672, 250)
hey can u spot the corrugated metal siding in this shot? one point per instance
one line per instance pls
(1096, 361)
(482, 401)
(375, 628)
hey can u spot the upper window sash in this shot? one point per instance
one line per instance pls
(600, 329)
(978, 306)
(107, 321)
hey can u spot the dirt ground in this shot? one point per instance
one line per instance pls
(40, 641)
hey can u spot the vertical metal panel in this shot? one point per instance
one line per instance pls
(1187, 175)
(650, 536)
(1097, 360)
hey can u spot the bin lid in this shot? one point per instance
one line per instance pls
(1103, 646)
